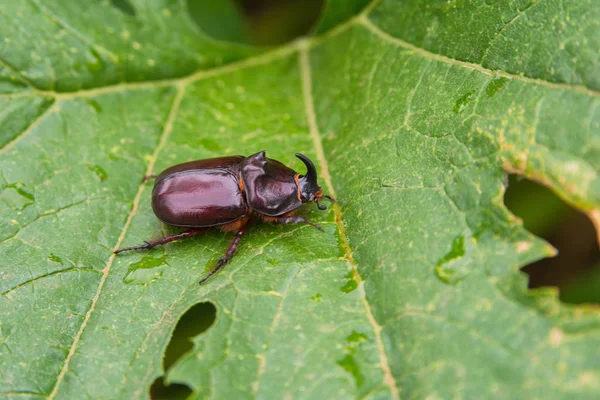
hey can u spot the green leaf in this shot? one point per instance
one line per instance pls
(337, 11)
(413, 112)
(220, 19)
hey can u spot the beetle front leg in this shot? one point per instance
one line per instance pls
(228, 254)
(295, 219)
(149, 245)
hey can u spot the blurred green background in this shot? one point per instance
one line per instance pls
(576, 268)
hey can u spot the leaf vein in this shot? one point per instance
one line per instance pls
(510, 22)
(38, 120)
(306, 78)
(167, 130)
(55, 212)
(369, 25)
(60, 22)
(37, 278)
(20, 74)
(264, 58)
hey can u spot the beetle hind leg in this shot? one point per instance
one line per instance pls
(168, 239)
(148, 177)
(228, 254)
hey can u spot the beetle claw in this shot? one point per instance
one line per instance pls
(321, 206)
(218, 266)
(222, 262)
(328, 197)
(315, 225)
(146, 178)
(143, 247)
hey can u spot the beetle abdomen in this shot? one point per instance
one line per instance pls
(198, 198)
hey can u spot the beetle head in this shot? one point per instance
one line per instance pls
(309, 188)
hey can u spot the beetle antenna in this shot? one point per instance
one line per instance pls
(311, 171)
(330, 198)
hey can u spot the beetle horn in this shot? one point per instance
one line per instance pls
(311, 171)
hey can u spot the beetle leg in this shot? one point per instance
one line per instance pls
(320, 206)
(148, 177)
(295, 219)
(158, 242)
(228, 254)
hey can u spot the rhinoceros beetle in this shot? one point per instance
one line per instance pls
(224, 192)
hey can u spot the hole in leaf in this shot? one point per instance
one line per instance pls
(257, 22)
(223, 20)
(125, 7)
(576, 268)
(196, 320)
(275, 22)
(175, 391)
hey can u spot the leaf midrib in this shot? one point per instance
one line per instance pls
(305, 72)
(161, 143)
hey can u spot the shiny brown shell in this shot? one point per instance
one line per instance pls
(200, 193)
